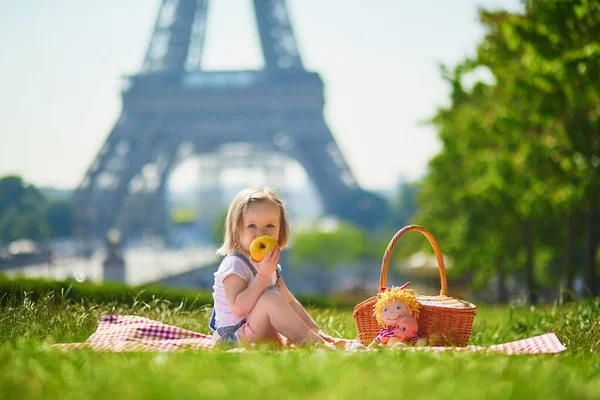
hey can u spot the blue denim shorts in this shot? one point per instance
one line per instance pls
(228, 335)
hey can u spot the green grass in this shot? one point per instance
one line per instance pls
(34, 288)
(31, 369)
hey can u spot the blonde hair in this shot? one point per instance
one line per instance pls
(235, 214)
(407, 296)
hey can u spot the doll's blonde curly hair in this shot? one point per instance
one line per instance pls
(407, 296)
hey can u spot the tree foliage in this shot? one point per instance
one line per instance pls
(26, 214)
(60, 218)
(404, 204)
(331, 248)
(520, 152)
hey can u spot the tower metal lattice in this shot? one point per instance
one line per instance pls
(173, 108)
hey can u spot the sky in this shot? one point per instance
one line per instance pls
(63, 63)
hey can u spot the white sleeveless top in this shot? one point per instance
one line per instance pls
(231, 265)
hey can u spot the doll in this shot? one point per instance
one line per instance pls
(396, 311)
(405, 330)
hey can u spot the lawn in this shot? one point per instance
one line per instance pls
(31, 369)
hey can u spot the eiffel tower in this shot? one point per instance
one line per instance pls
(173, 108)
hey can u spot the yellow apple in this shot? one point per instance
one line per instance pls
(261, 245)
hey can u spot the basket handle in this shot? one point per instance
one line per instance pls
(436, 249)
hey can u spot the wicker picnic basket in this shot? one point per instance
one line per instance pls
(442, 320)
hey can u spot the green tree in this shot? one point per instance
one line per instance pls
(404, 204)
(557, 52)
(22, 209)
(330, 249)
(12, 190)
(520, 155)
(30, 225)
(60, 218)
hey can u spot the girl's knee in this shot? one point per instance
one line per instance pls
(246, 334)
(270, 295)
(269, 298)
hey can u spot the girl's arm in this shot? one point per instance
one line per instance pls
(242, 297)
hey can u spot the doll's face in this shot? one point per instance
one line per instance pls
(406, 328)
(393, 311)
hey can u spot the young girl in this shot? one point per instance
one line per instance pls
(252, 302)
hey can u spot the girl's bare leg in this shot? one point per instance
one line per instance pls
(273, 314)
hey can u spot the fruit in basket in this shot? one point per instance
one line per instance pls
(261, 245)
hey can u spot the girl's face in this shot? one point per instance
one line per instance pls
(393, 311)
(262, 218)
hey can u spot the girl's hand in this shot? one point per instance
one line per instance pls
(337, 342)
(324, 336)
(268, 265)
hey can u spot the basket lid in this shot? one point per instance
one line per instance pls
(445, 302)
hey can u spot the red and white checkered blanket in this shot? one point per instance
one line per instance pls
(117, 333)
